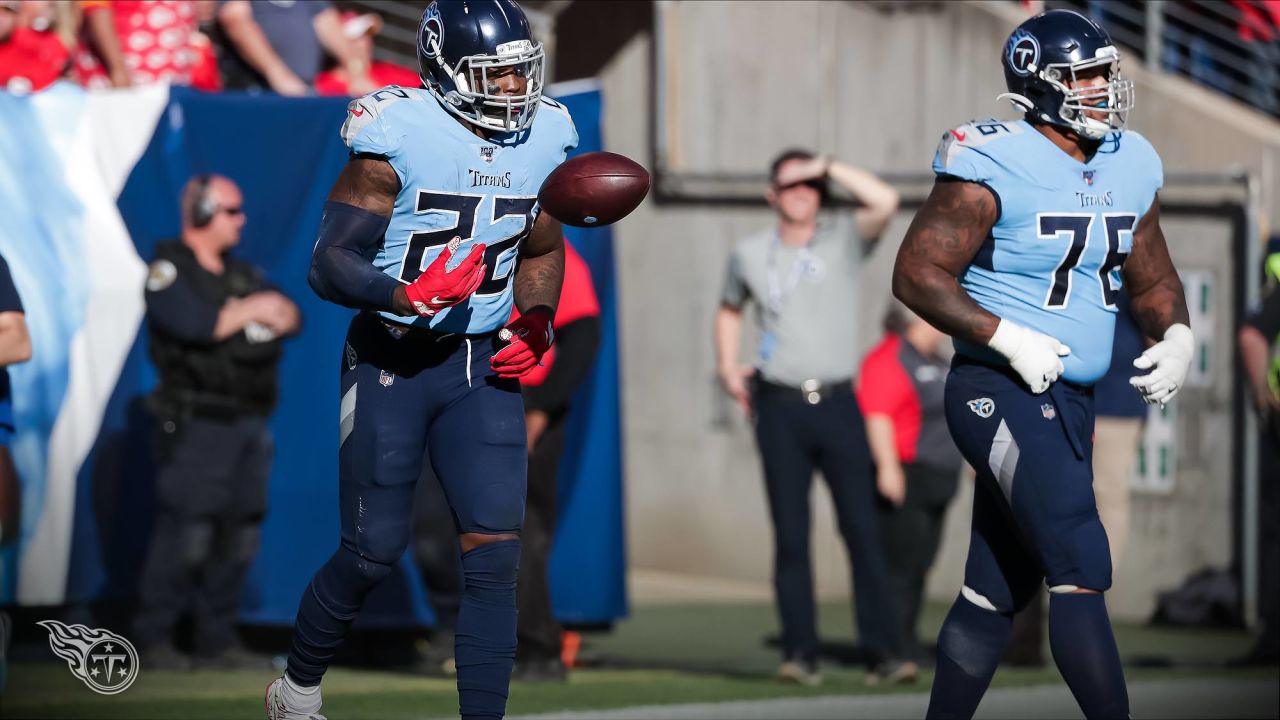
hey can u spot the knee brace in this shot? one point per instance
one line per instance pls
(491, 568)
(974, 635)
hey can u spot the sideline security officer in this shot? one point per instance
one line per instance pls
(215, 330)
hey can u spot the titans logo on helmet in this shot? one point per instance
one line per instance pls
(433, 38)
(1024, 52)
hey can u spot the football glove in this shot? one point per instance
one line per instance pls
(1168, 361)
(1036, 357)
(438, 287)
(528, 339)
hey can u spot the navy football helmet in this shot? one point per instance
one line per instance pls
(1043, 61)
(463, 43)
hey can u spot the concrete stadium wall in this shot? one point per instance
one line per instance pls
(878, 89)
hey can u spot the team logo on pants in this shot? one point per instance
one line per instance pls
(982, 407)
(103, 660)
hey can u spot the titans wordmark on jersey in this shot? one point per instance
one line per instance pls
(1053, 259)
(454, 183)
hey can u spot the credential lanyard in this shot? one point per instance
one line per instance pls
(778, 293)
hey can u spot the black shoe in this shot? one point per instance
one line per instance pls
(236, 657)
(540, 670)
(163, 657)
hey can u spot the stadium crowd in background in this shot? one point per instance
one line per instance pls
(209, 45)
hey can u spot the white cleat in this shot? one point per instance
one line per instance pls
(277, 709)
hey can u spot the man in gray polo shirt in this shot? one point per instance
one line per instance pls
(801, 277)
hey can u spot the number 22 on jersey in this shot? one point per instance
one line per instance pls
(499, 252)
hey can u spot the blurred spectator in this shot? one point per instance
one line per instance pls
(205, 75)
(215, 331)
(279, 45)
(800, 274)
(1120, 415)
(547, 391)
(360, 31)
(15, 347)
(1259, 30)
(134, 42)
(901, 389)
(31, 54)
(1259, 342)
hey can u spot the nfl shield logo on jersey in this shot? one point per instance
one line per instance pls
(486, 153)
(1088, 177)
(1048, 411)
(385, 379)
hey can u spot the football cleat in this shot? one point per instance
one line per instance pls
(278, 709)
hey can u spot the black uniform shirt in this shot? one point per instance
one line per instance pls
(205, 376)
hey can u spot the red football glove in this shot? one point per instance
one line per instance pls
(528, 339)
(437, 288)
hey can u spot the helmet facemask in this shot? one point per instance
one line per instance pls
(471, 97)
(1114, 99)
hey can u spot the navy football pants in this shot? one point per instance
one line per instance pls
(1034, 515)
(399, 397)
(1034, 519)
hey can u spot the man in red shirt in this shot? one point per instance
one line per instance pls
(30, 59)
(901, 391)
(547, 392)
(360, 31)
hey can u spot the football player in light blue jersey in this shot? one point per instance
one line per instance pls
(1032, 229)
(432, 231)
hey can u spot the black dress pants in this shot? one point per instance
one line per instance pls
(796, 437)
(212, 496)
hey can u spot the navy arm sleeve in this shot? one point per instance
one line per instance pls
(576, 345)
(341, 264)
(9, 300)
(176, 309)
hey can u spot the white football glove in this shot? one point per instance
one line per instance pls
(1168, 361)
(1036, 357)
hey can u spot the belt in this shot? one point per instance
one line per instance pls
(810, 391)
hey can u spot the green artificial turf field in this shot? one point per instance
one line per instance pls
(663, 654)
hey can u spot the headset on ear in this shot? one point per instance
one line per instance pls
(205, 207)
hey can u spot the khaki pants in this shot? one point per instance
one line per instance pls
(1115, 450)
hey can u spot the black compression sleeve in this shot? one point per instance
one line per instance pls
(576, 345)
(341, 264)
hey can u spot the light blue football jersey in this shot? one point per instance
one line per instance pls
(1052, 262)
(455, 183)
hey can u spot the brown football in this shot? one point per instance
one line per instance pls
(594, 189)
